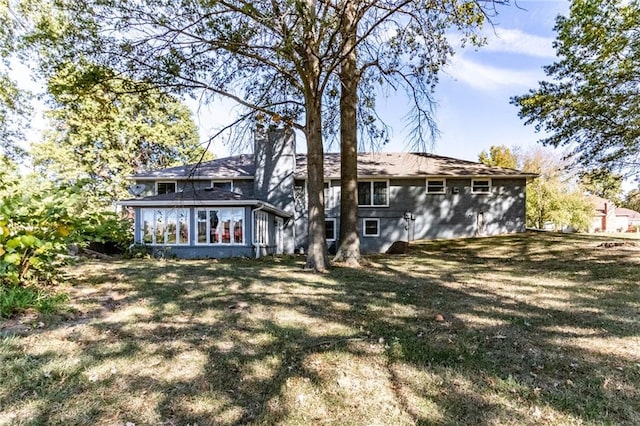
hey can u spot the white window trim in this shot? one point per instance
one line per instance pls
(371, 181)
(222, 181)
(364, 227)
(335, 230)
(175, 182)
(208, 223)
(444, 185)
(262, 224)
(153, 233)
(481, 192)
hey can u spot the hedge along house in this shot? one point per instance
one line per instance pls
(256, 204)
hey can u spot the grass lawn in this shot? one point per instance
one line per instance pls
(524, 329)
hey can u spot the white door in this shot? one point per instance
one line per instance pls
(279, 236)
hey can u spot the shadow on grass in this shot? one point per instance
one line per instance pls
(534, 328)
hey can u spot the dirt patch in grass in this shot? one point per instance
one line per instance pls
(524, 329)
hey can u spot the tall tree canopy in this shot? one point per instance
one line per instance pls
(104, 129)
(499, 156)
(632, 200)
(603, 183)
(14, 105)
(591, 101)
(555, 195)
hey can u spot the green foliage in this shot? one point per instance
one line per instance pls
(499, 156)
(15, 299)
(632, 200)
(603, 183)
(37, 226)
(104, 129)
(591, 101)
(554, 196)
(14, 106)
(138, 251)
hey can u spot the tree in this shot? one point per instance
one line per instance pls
(272, 57)
(14, 105)
(603, 183)
(499, 156)
(103, 131)
(591, 101)
(554, 195)
(632, 200)
(400, 45)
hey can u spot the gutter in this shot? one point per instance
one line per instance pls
(205, 203)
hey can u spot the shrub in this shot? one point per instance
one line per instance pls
(138, 251)
(15, 299)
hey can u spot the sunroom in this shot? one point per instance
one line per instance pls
(208, 223)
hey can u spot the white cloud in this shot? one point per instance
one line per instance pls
(488, 78)
(516, 41)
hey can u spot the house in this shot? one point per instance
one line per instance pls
(627, 219)
(255, 204)
(608, 217)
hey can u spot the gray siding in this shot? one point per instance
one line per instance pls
(457, 213)
(240, 186)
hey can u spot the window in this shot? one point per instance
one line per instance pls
(165, 187)
(481, 186)
(226, 185)
(165, 226)
(330, 229)
(436, 186)
(371, 227)
(262, 228)
(373, 193)
(220, 226)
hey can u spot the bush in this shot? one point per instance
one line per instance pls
(138, 251)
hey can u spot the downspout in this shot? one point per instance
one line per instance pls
(256, 246)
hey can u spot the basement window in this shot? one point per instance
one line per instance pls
(371, 227)
(481, 186)
(436, 186)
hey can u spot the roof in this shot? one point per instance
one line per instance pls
(409, 164)
(599, 204)
(207, 196)
(632, 214)
(237, 166)
(381, 164)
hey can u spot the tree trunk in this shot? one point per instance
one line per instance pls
(349, 247)
(317, 258)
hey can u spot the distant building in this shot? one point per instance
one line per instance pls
(608, 217)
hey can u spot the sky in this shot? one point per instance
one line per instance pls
(473, 110)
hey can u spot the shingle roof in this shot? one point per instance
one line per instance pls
(237, 166)
(369, 164)
(632, 214)
(403, 164)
